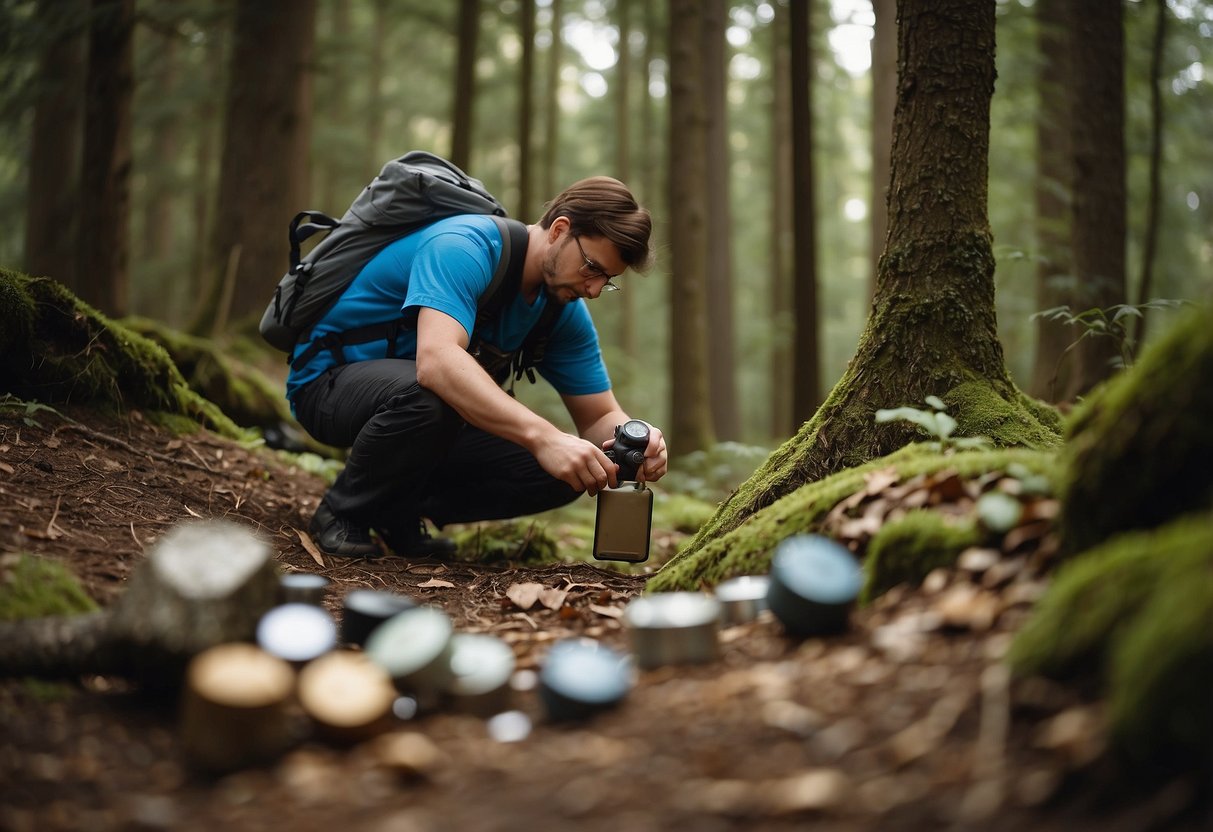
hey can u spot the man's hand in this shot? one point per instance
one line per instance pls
(577, 462)
(656, 462)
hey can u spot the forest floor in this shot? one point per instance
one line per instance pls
(907, 721)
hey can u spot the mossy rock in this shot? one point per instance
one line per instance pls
(513, 541)
(242, 391)
(747, 549)
(907, 549)
(1140, 450)
(1137, 613)
(34, 587)
(55, 348)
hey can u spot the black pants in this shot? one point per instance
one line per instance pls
(411, 455)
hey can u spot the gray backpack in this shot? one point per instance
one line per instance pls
(409, 193)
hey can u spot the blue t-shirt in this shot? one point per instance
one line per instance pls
(447, 266)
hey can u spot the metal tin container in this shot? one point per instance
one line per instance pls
(297, 632)
(481, 666)
(742, 598)
(673, 628)
(415, 649)
(814, 584)
(581, 677)
(365, 609)
(302, 588)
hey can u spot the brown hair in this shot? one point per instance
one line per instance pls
(604, 207)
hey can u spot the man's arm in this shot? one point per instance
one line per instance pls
(445, 367)
(596, 416)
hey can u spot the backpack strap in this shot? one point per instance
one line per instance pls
(535, 345)
(299, 234)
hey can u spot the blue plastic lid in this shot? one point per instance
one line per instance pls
(586, 672)
(817, 569)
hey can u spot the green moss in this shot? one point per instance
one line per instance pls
(1162, 667)
(1140, 450)
(1089, 600)
(844, 434)
(515, 541)
(1020, 423)
(1137, 613)
(242, 392)
(747, 549)
(72, 353)
(906, 550)
(34, 587)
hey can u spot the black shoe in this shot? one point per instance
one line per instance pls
(338, 537)
(414, 540)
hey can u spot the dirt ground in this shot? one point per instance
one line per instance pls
(907, 721)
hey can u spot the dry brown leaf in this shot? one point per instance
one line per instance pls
(306, 540)
(609, 612)
(524, 595)
(52, 442)
(6, 468)
(436, 583)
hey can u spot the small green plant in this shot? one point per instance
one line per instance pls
(10, 402)
(935, 422)
(1112, 322)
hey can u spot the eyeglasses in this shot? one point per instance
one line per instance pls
(593, 270)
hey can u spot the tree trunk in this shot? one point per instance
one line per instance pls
(526, 111)
(335, 167)
(722, 366)
(1150, 244)
(374, 123)
(54, 165)
(650, 146)
(156, 295)
(884, 94)
(933, 329)
(806, 376)
(690, 417)
(626, 316)
(105, 176)
(264, 169)
(1098, 234)
(1054, 177)
(781, 229)
(551, 137)
(465, 83)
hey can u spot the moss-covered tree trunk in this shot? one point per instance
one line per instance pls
(932, 330)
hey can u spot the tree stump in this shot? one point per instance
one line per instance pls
(204, 583)
(236, 710)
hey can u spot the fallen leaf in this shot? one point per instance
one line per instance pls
(524, 595)
(52, 442)
(553, 599)
(877, 481)
(609, 612)
(436, 583)
(306, 540)
(6, 468)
